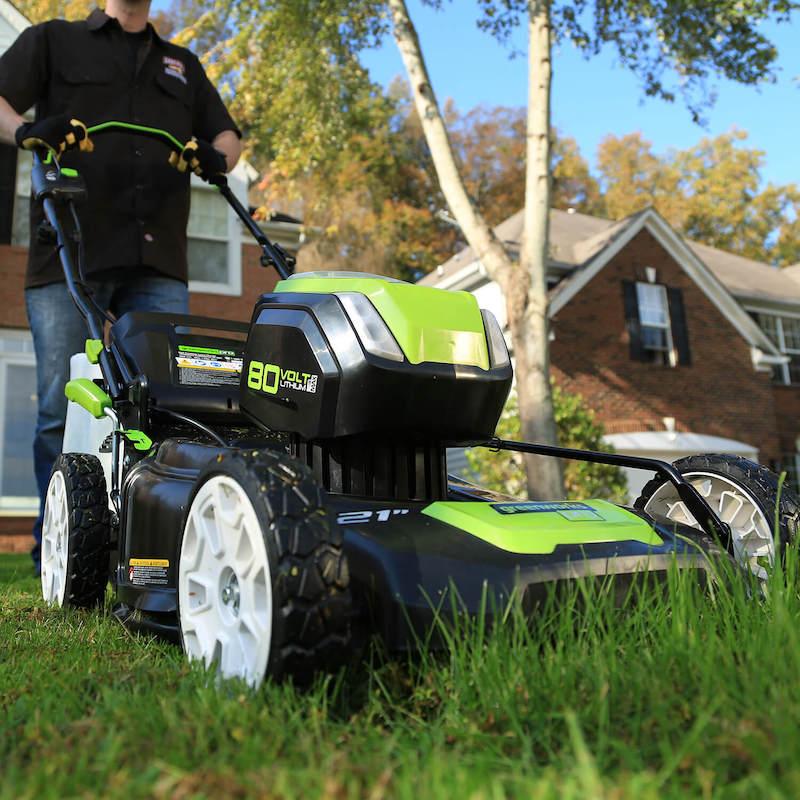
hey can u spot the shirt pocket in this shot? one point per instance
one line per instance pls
(174, 87)
(171, 106)
(82, 90)
(77, 74)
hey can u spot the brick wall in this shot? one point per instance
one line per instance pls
(15, 534)
(719, 393)
(255, 281)
(787, 416)
(12, 280)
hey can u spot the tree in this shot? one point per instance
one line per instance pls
(574, 186)
(655, 41)
(710, 192)
(42, 10)
(525, 287)
(504, 472)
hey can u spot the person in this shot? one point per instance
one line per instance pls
(111, 66)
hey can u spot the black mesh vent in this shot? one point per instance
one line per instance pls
(382, 470)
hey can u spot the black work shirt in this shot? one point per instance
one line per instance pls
(138, 205)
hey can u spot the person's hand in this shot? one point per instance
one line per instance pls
(203, 159)
(58, 133)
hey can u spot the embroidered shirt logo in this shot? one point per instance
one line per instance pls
(175, 68)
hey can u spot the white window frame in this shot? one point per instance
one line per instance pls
(233, 285)
(22, 195)
(12, 506)
(778, 316)
(670, 349)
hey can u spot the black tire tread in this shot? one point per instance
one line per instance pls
(89, 529)
(311, 587)
(758, 480)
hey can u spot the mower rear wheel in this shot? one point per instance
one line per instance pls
(75, 533)
(263, 584)
(745, 496)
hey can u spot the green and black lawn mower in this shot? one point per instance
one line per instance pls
(264, 492)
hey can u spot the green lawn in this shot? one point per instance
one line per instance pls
(681, 694)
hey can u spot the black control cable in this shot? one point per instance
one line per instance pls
(190, 421)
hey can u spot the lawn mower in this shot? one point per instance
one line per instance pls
(264, 493)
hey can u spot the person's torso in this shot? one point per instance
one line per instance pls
(138, 205)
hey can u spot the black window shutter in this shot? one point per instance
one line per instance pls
(677, 321)
(632, 324)
(8, 186)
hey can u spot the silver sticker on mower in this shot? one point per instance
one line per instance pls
(361, 517)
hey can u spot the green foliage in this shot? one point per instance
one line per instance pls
(711, 192)
(674, 48)
(577, 428)
(43, 10)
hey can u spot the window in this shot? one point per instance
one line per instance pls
(21, 224)
(654, 327)
(18, 493)
(784, 332)
(215, 243)
(655, 319)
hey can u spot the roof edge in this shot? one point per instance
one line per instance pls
(685, 257)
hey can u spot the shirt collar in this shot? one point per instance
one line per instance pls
(99, 19)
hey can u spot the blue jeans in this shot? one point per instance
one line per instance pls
(59, 332)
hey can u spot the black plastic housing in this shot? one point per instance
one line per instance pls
(337, 389)
(149, 345)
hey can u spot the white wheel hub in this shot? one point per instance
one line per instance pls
(224, 583)
(55, 541)
(751, 531)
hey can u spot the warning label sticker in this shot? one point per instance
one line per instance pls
(208, 366)
(148, 571)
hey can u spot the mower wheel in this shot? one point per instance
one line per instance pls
(75, 533)
(745, 495)
(263, 584)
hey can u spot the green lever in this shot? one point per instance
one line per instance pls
(87, 394)
(139, 439)
(93, 349)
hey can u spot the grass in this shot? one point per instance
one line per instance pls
(679, 694)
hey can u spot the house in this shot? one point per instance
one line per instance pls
(225, 280)
(678, 347)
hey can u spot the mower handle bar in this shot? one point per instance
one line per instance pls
(272, 255)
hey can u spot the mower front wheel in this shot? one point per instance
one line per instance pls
(75, 533)
(263, 584)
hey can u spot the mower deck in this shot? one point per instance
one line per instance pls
(407, 559)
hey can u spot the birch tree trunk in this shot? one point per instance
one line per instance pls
(524, 285)
(480, 236)
(527, 302)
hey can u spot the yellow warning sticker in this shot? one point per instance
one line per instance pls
(148, 571)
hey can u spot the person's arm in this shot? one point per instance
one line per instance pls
(23, 78)
(9, 122)
(230, 145)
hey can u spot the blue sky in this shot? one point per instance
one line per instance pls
(597, 97)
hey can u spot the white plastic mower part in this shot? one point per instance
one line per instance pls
(224, 583)
(55, 541)
(751, 531)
